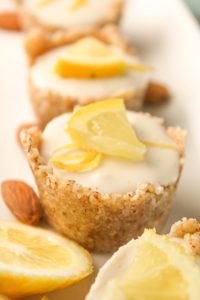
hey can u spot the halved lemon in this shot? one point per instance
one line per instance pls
(150, 268)
(34, 261)
(91, 58)
(104, 127)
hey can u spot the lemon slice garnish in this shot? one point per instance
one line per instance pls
(158, 269)
(37, 261)
(91, 58)
(74, 160)
(104, 127)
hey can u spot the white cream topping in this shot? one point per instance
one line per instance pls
(160, 166)
(44, 77)
(117, 266)
(58, 13)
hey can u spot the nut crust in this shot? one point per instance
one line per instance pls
(47, 104)
(99, 222)
(189, 231)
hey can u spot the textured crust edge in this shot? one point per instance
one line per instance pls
(99, 222)
(189, 231)
(38, 42)
(48, 104)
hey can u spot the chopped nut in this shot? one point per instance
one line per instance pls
(193, 241)
(183, 227)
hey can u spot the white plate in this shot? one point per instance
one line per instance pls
(168, 39)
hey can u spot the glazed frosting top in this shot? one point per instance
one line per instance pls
(58, 13)
(160, 166)
(44, 77)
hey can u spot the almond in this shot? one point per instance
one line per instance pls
(22, 201)
(10, 21)
(156, 93)
(22, 127)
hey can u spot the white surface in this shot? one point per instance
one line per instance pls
(169, 39)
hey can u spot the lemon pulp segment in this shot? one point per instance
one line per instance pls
(91, 58)
(161, 270)
(36, 261)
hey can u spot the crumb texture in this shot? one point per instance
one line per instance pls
(99, 222)
(189, 230)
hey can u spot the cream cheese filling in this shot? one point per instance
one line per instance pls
(58, 13)
(160, 166)
(44, 77)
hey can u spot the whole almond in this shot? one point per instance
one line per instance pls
(10, 21)
(156, 93)
(22, 127)
(22, 201)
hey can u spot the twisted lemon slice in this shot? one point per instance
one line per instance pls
(91, 58)
(150, 268)
(34, 261)
(74, 160)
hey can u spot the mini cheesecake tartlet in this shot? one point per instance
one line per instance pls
(85, 71)
(105, 174)
(73, 17)
(154, 267)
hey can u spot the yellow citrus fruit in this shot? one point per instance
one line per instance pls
(34, 261)
(150, 268)
(91, 58)
(104, 127)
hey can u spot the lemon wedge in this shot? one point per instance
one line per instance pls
(104, 127)
(150, 268)
(36, 261)
(91, 58)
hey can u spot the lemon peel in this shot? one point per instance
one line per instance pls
(91, 58)
(76, 163)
